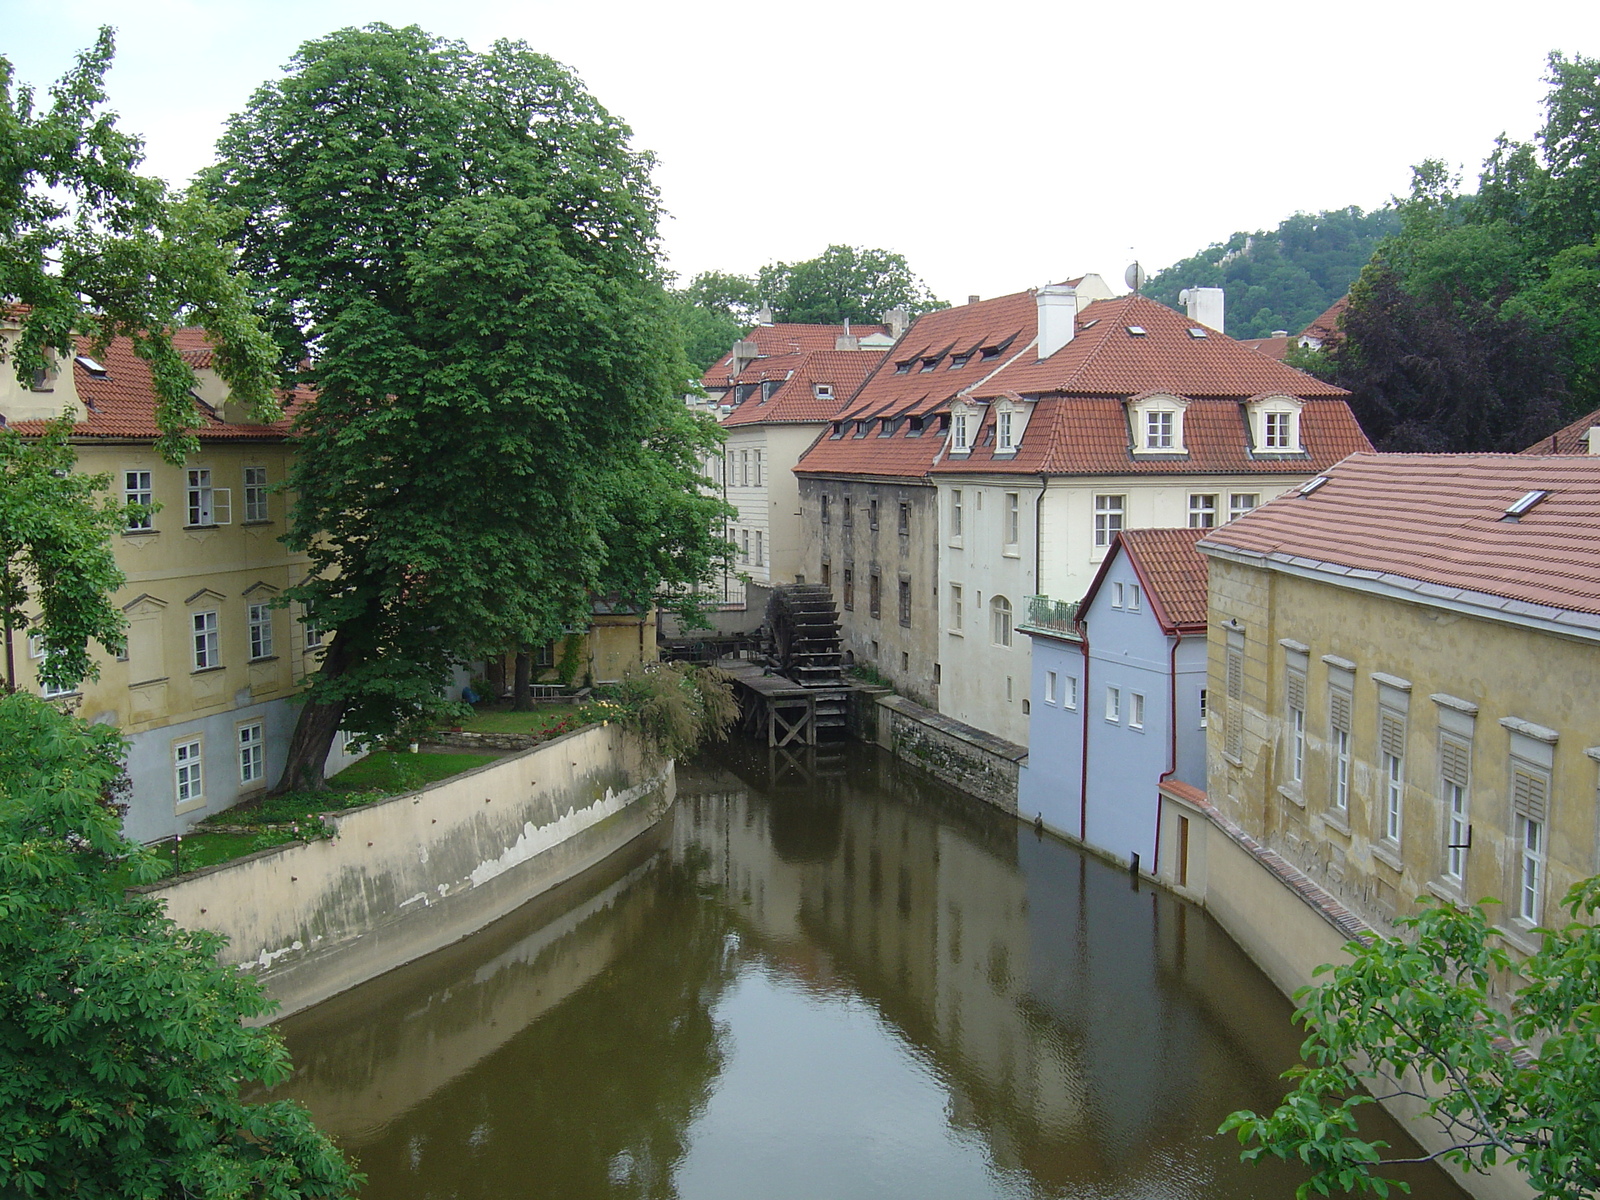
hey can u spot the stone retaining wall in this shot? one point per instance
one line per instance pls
(978, 763)
(406, 875)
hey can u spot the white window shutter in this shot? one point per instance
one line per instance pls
(222, 506)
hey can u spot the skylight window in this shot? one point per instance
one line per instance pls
(1524, 502)
(1195, 332)
(90, 365)
(1135, 330)
(1312, 485)
(1089, 324)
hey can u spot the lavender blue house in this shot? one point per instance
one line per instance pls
(1118, 700)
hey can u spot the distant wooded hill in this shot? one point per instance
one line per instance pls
(1281, 279)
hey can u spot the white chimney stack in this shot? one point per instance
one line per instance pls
(1058, 316)
(1593, 438)
(1204, 306)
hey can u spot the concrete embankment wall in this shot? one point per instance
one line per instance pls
(407, 875)
(978, 763)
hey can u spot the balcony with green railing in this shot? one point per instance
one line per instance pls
(1051, 616)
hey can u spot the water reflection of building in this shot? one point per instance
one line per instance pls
(1092, 1034)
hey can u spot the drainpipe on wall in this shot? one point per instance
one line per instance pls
(1172, 743)
(1038, 542)
(1083, 703)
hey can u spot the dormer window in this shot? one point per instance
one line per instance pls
(769, 388)
(1007, 427)
(1275, 425)
(861, 428)
(961, 422)
(1157, 420)
(914, 426)
(903, 368)
(958, 361)
(886, 426)
(822, 391)
(929, 364)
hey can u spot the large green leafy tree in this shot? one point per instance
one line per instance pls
(90, 246)
(458, 250)
(844, 283)
(714, 310)
(1507, 273)
(1416, 1016)
(55, 553)
(121, 1034)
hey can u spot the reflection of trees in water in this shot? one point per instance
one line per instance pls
(588, 1094)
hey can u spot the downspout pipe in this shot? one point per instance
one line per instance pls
(1083, 705)
(1172, 743)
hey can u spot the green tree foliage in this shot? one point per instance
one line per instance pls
(1500, 284)
(714, 311)
(1285, 278)
(90, 246)
(1415, 1016)
(55, 552)
(462, 247)
(844, 283)
(120, 1032)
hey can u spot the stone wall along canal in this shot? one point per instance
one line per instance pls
(818, 977)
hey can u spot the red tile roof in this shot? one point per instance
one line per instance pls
(796, 399)
(1173, 573)
(1090, 435)
(121, 402)
(1272, 347)
(1571, 439)
(1104, 359)
(1433, 524)
(774, 340)
(1326, 326)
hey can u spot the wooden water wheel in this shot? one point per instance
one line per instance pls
(805, 635)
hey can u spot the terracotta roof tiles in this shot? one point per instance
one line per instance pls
(785, 338)
(796, 398)
(1172, 571)
(1435, 524)
(1571, 439)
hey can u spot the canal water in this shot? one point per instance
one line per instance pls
(819, 979)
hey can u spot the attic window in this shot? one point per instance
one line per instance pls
(838, 429)
(1089, 324)
(1196, 333)
(1312, 485)
(91, 366)
(1523, 503)
(929, 364)
(1135, 330)
(822, 391)
(903, 368)
(914, 426)
(990, 352)
(886, 427)
(960, 360)
(861, 428)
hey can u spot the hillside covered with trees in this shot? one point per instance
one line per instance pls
(1284, 278)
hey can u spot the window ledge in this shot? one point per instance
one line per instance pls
(1292, 795)
(1445, 890)
(1232, 760)
(249, 523)
(136, 533)
(187, 806)
(1520, 935)
(955, 633)
(1335, 819)
(198, 527)
(148, 682)
(1011, 551)
(265, 658)
(207, 670)
(1389, 857)
(956, 543)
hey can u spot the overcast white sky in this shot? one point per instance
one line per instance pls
(998, 145)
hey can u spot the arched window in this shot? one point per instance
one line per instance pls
(1000, 616)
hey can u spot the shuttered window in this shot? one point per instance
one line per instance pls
(1530, 790)
(1296, 689)
(1339, 709)
(1454, 757)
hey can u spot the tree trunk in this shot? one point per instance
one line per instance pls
(495, 672)
(314, 732)
(523, 698)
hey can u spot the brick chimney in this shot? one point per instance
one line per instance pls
(1204, 306)
(897, 319)
(1058, 316)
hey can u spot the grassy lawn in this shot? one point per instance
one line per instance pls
(505, 721)
(390, 771)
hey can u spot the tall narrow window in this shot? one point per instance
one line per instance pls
(205, 641)
(875, 595)
(1205, 708)
(760, 553)
(1233, 680)
(1069, 692)
(1202, 510)
(1135, 711)
(958, 433)
(744, 545)
(1530, 802)
(849, 511)
(1000, 612)
(1339, 705)
(905, 602)
(252, 754)
(1133, 597)
(1296, 695)
(136, 489)
(872, 512)
(260, 622)
(1113, 704)
(1013, 518)
(1392, 744)
(188, 783)
(1003, 440)
(757, 468)
(957, 608)
(1108, 512)
(1049, 687)
(955, 512)
(826, 516)
(1455, 762)
(255, 493)
(849, 590)
(905, 516)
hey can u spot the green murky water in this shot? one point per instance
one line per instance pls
(818, 979)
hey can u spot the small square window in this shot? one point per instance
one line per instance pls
(1202, 510)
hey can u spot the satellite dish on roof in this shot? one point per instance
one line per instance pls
(1134, 276)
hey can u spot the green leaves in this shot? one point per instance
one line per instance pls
(92, 247)
(1417, 1016)
(121, 1033)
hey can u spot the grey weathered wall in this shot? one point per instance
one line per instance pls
(978, 763)
(412, 873)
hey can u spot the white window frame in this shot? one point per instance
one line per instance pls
(957, 610)
(761, 559)
(207, 506)
(1114, 705)
(1049, 687)
(1277, 430)
(1159, 429)
(256, 506)
(252, 747)
(1110, 514)
(1205, 714)
(1203, 510)
(1013, 520)
(1275, 425)
(756, 468)
(960, 436)
(1135, 710)
(1002, 630)
(1532, 855)
(1341, 769)
(1069, 693)
(955, 515)
(313, 636)
(1297, 744)
(1116, 594)
(1240, 503)
(1158, 425)
(36, 650)
(259, 625)
(1005, 441)
(138, 488)
(1456, 824)
(1132, 597)
(205, 628)
(188, 773)
(1394, 786)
